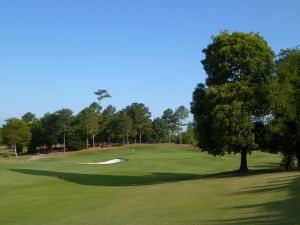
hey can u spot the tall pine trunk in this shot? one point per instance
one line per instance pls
(87, 137)
(15, 148)
(140, 133)
(140, 137)
(93, 141)
(64, 142)
(180, 136)
(244, 166)
(87, 142)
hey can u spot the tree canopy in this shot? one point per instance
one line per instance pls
(88, 121)
(28, 117)
(140, 115)
(101, 94)
(180, 114)
(284, 133)
(15, 132)
(237, 56)
(160, 130)
(169, 118)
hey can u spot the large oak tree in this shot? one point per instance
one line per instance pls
(238, 67)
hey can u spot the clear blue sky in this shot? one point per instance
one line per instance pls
(55, 54)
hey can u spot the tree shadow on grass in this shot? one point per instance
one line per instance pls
(126, 180)
(277, 212)
(267, 165)
(110, 180)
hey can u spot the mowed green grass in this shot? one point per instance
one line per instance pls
(157, 185)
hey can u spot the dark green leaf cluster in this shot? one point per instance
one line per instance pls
(15, 132)
(284, 128)
(237, 56)
(1, 138)
(160, 130)
(92, 127)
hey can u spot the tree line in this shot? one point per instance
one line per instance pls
(250, 100)
(95, 127)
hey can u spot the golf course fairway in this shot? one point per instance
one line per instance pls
(154, 185)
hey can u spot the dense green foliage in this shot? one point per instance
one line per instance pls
(284, 135)
(238, 66)
(237, 56)
(28, 117)
(38, 139)
(1, 138)
(248, 102)
(170, 119)
(188, 137)
(105, 121)
(50, 131)
(180, 114)
(121, 126)
(94, 127)
(64, 121)
(140, 115)
(160, 130)
(16, 132)
(88, 122)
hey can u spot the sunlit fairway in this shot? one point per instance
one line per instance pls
(157, 184)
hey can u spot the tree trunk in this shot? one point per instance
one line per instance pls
(127, 138)
(87, 137)
(244, 166)
(180, 136)
(93, 141)
(87, 142)
(169, 136)
(64, 142)
(140, 137)
(16, 153)
(288, 162)
(298, 160)
(140, 133)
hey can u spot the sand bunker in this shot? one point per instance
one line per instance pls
(36, 157)
(105, 163)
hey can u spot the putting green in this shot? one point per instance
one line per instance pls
(156, 184)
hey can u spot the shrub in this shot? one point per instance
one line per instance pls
(5, 153)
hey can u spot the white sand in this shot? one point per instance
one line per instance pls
(36, 157)
(105, 163)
